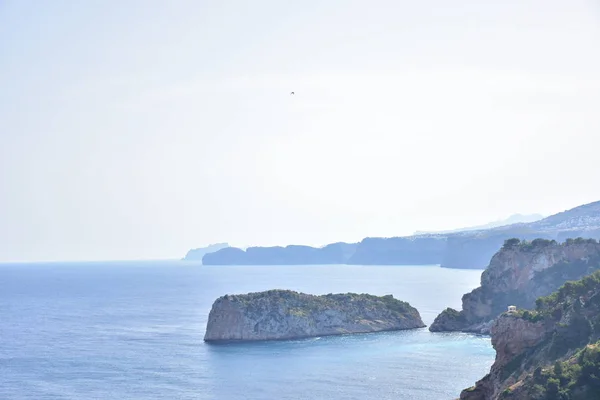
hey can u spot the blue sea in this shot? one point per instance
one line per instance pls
(134, 330)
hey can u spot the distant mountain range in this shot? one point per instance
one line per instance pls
(464, 248)
(513, 219)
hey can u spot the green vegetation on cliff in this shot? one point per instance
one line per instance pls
(577, 378)
(286, 314)
(526, 245)
(553, 353)
(572, 292)
(518, 274)
(310, 303)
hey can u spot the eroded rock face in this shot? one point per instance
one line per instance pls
(284, 314)
(449, 320)
(517, 275)
(511, 337)
(548, 353)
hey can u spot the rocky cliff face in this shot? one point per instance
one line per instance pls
(511, 337)
(449, 320)
(517, 275)
(284, 314)
(550, 353)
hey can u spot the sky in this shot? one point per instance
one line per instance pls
(141, 129)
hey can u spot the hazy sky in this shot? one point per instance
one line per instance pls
(139, 129)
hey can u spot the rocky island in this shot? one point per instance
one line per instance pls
(286, 314)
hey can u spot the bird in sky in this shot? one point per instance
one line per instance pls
(292, 93)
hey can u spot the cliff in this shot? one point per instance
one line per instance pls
(517, 275)
(465, 249)
(550, 353)
(197, 254)
(335, 253)
(285, 314)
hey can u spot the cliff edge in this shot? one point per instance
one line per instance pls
(517, 275)
(552, 352)
(285, 314)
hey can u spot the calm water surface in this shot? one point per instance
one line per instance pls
(133, 330)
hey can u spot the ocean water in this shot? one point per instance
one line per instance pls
(134, 330)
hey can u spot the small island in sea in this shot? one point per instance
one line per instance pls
(286, 314)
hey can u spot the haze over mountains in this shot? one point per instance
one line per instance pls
(513, 219)
(464, 248)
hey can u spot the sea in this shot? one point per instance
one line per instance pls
(134, 330)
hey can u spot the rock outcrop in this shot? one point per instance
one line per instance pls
(511, 337)
(552, 352)
(285, 314)
(449, 320)
(517, 275)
